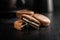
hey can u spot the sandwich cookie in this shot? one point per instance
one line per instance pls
(31, 21)
(45, 21)
(19, 24)
(21, 12)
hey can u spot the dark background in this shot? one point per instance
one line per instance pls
(6, 6)
(56, 3)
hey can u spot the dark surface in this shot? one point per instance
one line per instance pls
(47, 33)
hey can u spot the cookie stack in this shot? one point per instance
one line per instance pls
(28, 17)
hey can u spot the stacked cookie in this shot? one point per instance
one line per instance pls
(30, 18)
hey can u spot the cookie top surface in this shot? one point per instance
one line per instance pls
(42, 18)
(25, 12)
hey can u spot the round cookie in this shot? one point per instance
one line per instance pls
(43, 19)
(18, 24)
(21, 12)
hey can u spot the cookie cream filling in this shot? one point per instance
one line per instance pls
(30, 22)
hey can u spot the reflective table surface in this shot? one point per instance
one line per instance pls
(46, 33)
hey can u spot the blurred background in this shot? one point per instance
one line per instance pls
(8, 7)
(39, 4)
(56, 5)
